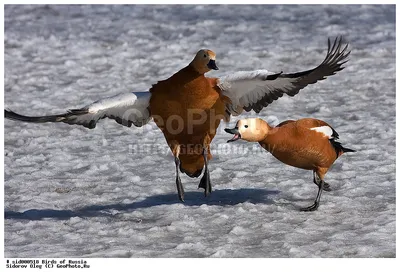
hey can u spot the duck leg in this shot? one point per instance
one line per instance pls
(205, 181)
(179, 185)
(325, 187)
(175, 148)
(320, 184)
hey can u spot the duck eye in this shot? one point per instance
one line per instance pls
(246, 126)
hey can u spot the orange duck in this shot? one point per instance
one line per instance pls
(188, 109)
(188, 106)
(307, 143)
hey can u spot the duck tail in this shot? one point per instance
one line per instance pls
(339, 148)
(191, 164)
(347, 150)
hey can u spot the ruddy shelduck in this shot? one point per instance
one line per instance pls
(188, 106)
(307, 143)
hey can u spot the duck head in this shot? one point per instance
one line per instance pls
(251, 129)
(204, 61)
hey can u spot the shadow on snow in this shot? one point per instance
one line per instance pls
(218, 197)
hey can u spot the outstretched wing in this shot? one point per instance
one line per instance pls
(254, 90)
(126, 109)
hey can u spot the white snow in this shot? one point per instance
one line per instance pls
(110, 191)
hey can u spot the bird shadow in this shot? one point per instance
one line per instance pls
(224, 197)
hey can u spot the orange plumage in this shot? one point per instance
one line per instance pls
(295, 144)
(188, 111)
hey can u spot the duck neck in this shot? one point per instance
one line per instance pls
(191, 70)
(267, 142)
(186, 74)
(198, 67)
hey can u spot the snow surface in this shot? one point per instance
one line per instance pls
(110, 192)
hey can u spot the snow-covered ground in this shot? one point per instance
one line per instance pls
(110, 192)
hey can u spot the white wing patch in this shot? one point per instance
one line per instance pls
(326, 130)
(131, 107)
(125, 109)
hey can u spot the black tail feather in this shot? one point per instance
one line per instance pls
(347, 150)
(339, 148)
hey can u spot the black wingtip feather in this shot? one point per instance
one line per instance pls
(336, 56)
(273, 76)
(34, 119)
(82, 111)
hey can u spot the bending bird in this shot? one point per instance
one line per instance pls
(307, 143)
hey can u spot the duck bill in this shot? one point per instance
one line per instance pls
(235, 132)
(211, 65)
